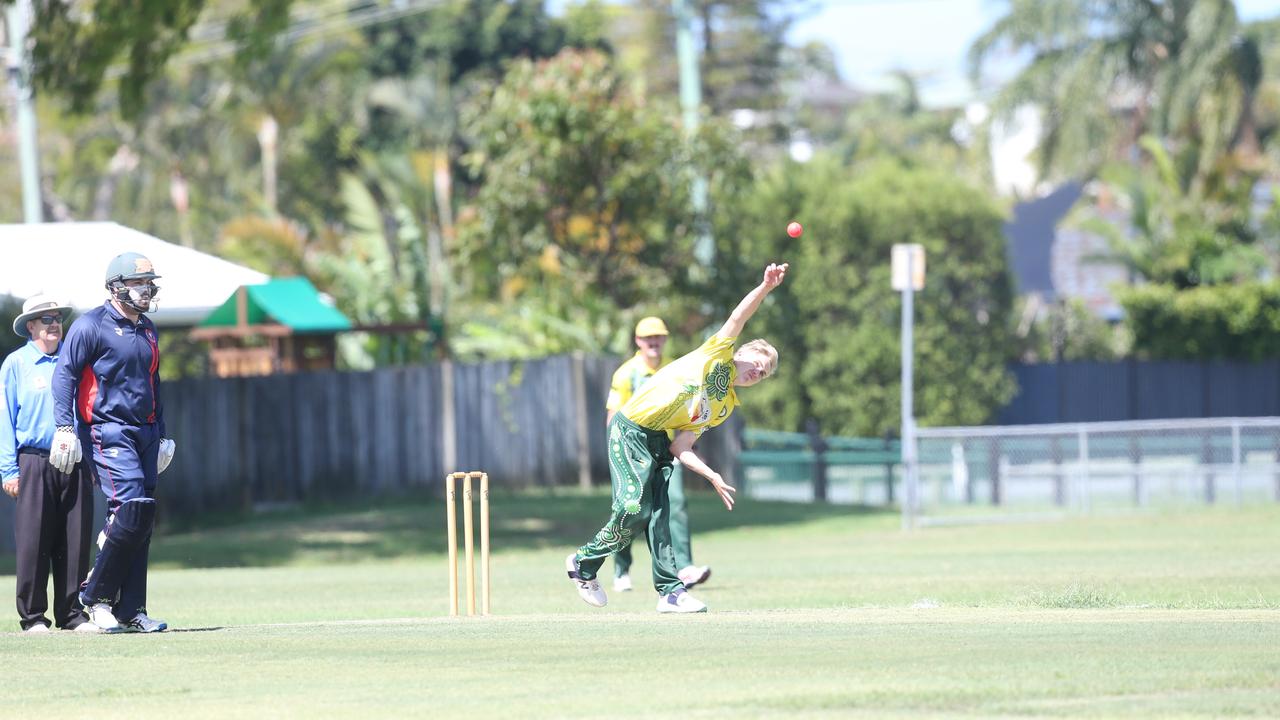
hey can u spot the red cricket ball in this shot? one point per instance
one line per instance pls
(794, 229)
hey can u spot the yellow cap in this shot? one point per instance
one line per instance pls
(651, 326)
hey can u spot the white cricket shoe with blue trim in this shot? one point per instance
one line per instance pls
(144, 624)
(680, 601)
(588, 590)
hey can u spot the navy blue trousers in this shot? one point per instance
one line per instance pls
(124, 466)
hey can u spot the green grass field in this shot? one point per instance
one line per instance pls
(815, 612)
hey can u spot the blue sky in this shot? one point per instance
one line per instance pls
(928, 38)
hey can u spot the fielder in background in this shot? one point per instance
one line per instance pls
(651, 338)
(54, 514)
(688, 396)
(106, 389)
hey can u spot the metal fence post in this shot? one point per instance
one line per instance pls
(819, 467)
(1059, 484)
(1135, 457)
(888, 467)
(1002, 471)
(1206, 464)
(1236, 469)
(993, 469)
(1082, 437)
(733, 430)
(1276, 465)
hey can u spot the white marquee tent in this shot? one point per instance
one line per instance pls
(69, 261)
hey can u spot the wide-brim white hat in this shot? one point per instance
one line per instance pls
(34, 307)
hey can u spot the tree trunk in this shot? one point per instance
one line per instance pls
(268, 134)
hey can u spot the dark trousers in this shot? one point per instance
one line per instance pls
(52, 525)
(122, 460)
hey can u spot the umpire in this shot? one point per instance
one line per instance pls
(54, 514)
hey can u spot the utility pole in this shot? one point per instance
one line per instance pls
(18, 20)
(704, 248)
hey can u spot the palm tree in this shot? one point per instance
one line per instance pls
(1175, 234)
(1105, 72)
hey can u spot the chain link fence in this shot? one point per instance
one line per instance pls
(1001, 472)
(808, 467)
(983, 474)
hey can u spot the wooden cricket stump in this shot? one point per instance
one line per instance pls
(451, 516)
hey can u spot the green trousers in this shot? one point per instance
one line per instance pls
(640, 471)
(680, 541)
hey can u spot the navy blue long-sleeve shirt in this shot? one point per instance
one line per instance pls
(109, 371)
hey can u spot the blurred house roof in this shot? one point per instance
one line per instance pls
(290, 302)
(827, 93)
(69, 261)
(1031, 235)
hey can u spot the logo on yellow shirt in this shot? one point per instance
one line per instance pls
(717, 381)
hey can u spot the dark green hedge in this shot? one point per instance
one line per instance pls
(1218, 322)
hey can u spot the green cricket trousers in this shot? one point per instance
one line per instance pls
(640, 470)
(681, 543)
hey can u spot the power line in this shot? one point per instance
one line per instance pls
(343, 20)
(214, 30)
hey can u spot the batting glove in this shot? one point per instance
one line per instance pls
(65, 452)
(165, 456)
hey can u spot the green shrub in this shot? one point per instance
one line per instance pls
(1218, 322)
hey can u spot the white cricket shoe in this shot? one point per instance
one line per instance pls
(87, 627)
(100, 614)
(622, 583)
(588, 590)
(36, 629)
(680, 602)
(143, 624)
(694, 575)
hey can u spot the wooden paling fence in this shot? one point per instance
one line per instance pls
(291, 438)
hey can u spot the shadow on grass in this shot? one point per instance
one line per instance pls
(414, 526)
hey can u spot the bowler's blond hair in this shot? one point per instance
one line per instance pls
(769, 352)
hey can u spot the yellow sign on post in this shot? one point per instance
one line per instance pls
(904, 254)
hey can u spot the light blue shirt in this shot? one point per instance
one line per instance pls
(26, 412)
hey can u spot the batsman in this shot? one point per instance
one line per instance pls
(106, 390)
(691, 394)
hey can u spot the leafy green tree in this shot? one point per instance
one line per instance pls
(194, 160)
(836, 321)
(378, 271)
(583, 208)
(465, 37)
(1177, 234)
(424, 69)
(179, 171)
(291, 97)
(75, 47)
(270, 245)
(1264, 118)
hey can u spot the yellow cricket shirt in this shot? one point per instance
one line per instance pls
(692, 393)
(627, 379)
